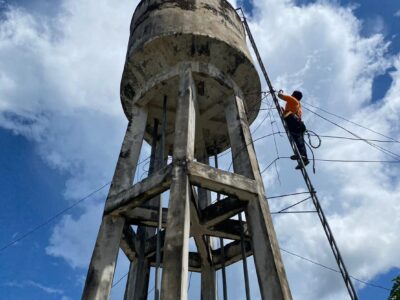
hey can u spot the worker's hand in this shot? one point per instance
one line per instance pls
(280, 92)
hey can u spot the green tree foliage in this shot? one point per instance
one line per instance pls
(395, 292)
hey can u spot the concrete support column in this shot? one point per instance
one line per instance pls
(102, 265)
(270, 270)
(139, 272)
(208, 275)
(176, 245)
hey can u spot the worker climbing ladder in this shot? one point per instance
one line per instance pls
(321, 215)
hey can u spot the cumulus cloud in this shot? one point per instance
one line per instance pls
(31, 283)
(319, 49)
(59, 79)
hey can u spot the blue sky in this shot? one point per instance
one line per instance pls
(55, 116)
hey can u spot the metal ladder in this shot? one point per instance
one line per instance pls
(321, 215)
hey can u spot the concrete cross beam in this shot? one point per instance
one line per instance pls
(224, 228)
(146, 216)
(142, 191)
(128, 243)
(194, 262)
(233, 253)
(223, 182)
(196, 230)
(221, 210)
(228, 229)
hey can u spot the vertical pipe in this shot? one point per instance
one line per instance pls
(244, 259)
(162, 156)
(221, 242)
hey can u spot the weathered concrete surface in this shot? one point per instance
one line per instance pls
(139, 270)
(128, 243)
(102, 265)
(221, 181)
(139, 193)
(208, 274)
(221, 210)
(270, 270)
(176, 245)
(167, 33)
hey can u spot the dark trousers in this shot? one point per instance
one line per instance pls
(297, 134)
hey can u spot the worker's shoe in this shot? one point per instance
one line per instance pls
(296, 157)
(300, 166)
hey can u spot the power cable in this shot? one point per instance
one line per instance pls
(276, 146)
(287, 195)
(356, 139)
(52, 218)
(324, 222)
(48, 221)
(190, 279)
(352, 161)
(351, 138)
(354, 123)
(293, 205)
(119, 280)
(333, 270)
(296, 255)
(379, 148)
(294, 212)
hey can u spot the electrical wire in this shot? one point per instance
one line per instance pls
(356, 139)
(333, 270)
(379, 148)
(119, 280)
(354, 123)
(293, 205)
(55, 216)
(351, 138)
(48, 221)
(293, 254)
(276, 145)
(287, 195)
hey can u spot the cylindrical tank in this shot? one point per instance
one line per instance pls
(205, 33)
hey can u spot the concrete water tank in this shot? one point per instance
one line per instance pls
(166, 36)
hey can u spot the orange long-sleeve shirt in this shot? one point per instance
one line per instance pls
(292, 105)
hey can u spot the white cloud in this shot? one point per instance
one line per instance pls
(60, 79)
(318, 49)
(31, 283)
(59, 83)
(67, 242)
(397, 13)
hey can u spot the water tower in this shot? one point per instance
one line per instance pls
(189, 88)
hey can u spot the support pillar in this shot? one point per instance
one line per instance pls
(139, 272)
(270, 270)
(208, 274)
(102, 265)
(176, 245)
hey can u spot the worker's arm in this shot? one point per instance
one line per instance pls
(289, 99)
